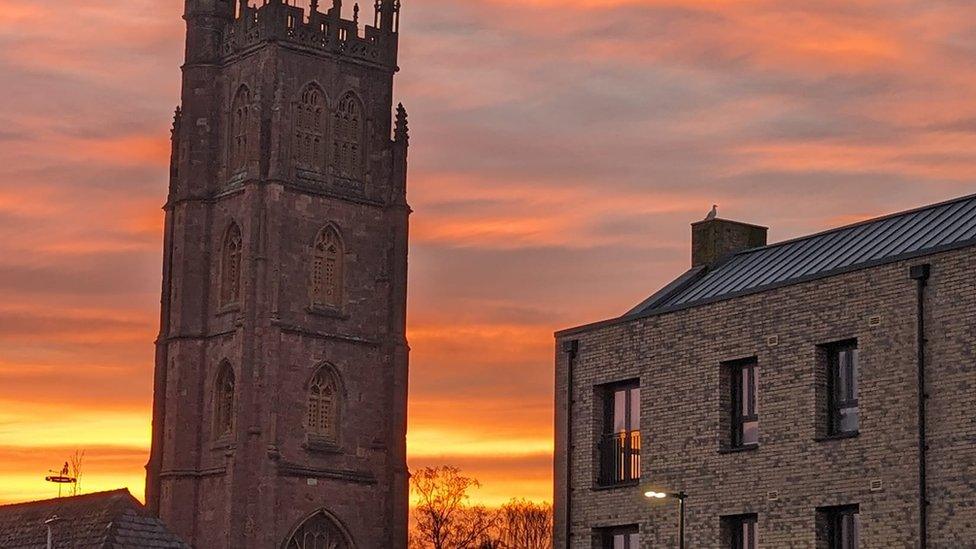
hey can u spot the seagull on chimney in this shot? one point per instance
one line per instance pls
(712, 214)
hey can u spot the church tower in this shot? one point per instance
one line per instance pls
(279, 416)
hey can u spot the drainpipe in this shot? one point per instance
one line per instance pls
(571, 348)
(920, 274)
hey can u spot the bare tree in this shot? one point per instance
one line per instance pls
(76, 462)
(526, 525)
(445, 520)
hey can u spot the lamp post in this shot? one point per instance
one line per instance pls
(681, 497)
(50, 523)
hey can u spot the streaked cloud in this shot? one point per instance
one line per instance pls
(559, 151)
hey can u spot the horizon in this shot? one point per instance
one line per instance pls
(555, 169)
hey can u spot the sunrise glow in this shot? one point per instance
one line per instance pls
(559, 152)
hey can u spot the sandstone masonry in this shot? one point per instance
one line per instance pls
(279, 415)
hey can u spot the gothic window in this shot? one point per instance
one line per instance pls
(240, 116)
(230, 266)
(318, 532)
(224, 401)
(327, 269)
(347, 156)
(310, 129)
(323, 406)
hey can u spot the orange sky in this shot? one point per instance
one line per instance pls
(559, 150)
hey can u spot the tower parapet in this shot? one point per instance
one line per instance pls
(276, 21)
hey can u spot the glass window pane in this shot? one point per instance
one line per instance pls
(755, 390)
(619, 411)
(849, 420)
(845, 531)
(855, 366)
(619, 542)
(635, 401)
(744, 391)
(841, 379)
(750, 432)
(856, 538)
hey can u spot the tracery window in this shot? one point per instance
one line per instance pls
(224, 388)
(310, 129)
(230, 266)
(347, 154)
(240, 116)
(327, 269)
(318, 532)
(323, 406)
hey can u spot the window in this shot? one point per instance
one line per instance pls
(744, 377)
(840, 527)
(842, 389)
(347, 156)
(739, 532)
(323, 405)
(319, 531)
(621, 440)
(240, 117)
(624, 537)
(230, 266)
(327, 269)
(310, 129)
(224, 401)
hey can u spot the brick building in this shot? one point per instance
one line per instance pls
(279, 415)
(778, 387)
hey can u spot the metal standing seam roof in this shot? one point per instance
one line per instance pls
(891, 238)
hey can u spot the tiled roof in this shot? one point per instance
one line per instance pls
(891, 238)
(105, 520)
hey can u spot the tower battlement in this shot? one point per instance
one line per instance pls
(328, 32)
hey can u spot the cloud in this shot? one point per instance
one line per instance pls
(559, 150)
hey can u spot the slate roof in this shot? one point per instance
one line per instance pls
(105, 520)
(896, 237)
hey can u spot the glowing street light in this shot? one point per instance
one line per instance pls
(681, 497)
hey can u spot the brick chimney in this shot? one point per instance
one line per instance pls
(714, 239)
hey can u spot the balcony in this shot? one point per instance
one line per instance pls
(620, 458)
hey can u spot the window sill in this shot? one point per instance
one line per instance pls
(230, 308)
(838, 436)
(328, 312)
(321, 446)
(618, 486)
(739, 449)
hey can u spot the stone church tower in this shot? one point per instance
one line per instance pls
(279, 418)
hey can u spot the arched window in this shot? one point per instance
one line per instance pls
(230, 266)
(347, 154)
(240, 116)
(327, 269)
(310, 129)
(224, 401)
(320, 531)
(323, 406)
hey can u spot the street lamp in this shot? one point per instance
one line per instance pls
(681, 497)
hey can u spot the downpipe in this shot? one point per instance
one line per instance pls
(571, 348)
(921, 274)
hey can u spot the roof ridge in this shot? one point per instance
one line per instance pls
(856, 224)
(70, 499)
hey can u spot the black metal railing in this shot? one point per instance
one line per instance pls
(620, 458)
